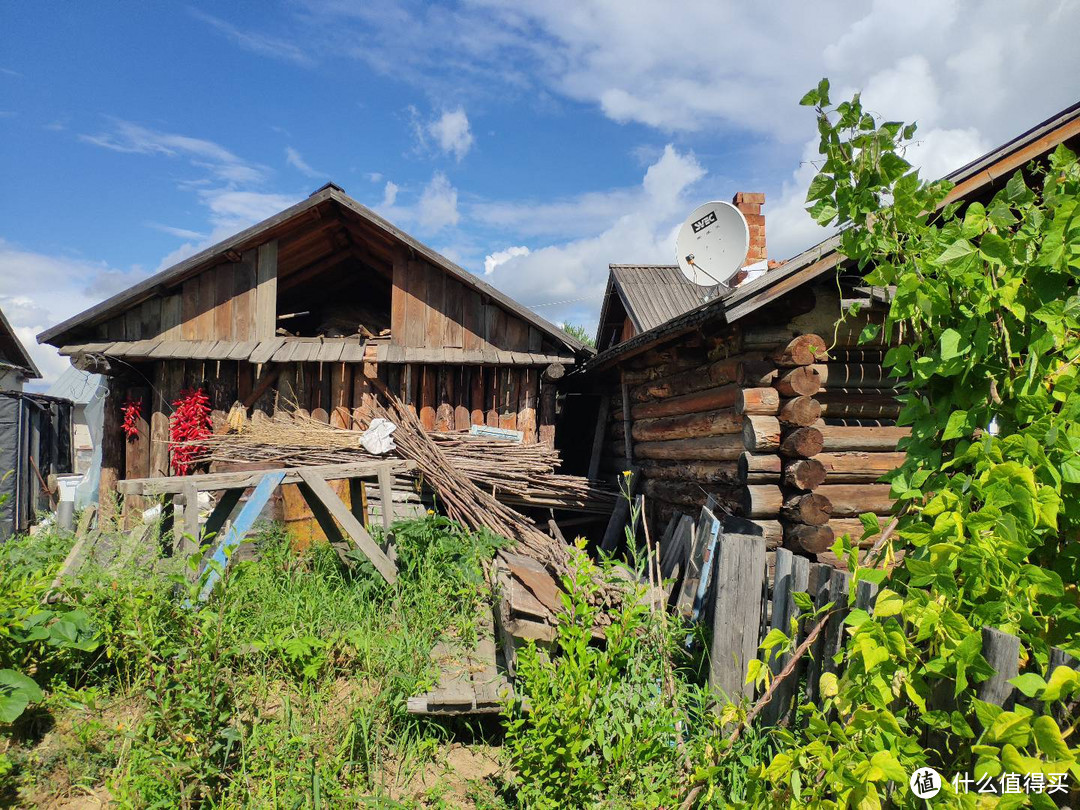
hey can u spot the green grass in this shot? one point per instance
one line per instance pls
(287, 689)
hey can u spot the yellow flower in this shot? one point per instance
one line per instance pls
(120, 726)
(188, 738)
(626, 473)
(431, 511)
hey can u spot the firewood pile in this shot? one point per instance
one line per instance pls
(513, 473)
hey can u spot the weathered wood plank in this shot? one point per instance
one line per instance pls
(740, 567)
(266, 291)
(1002, 652)
(250, 478)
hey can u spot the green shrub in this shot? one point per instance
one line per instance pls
(601, 730)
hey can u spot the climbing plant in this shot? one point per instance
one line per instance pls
(986, 302)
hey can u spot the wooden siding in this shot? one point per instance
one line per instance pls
(429, 309)
(231, 301)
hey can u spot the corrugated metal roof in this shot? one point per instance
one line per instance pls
(655, 293)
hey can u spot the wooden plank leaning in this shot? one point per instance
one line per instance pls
(350, 524)
(239, 529)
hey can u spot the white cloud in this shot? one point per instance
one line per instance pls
(183, 233)
(447, 133)
(294, 159)
(437, 208)
(451, 132)
(499, 257)
(253, 41)
(572, 273)
(51, 289)
(131, 138)
(390, 192)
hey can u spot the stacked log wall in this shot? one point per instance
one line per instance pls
(791, 427)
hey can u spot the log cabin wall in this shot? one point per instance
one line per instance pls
(758, 415)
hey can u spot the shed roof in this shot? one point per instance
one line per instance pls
(330, 193)
(13, 353)
(653, 294)
(823, 257)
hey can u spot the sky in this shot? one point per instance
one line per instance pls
(532, 141)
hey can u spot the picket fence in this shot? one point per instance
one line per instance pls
(728, 585)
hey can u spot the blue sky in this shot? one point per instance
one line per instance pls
(532, 142)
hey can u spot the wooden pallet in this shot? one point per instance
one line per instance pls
(471, 680)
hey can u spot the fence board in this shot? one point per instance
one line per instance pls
(818, 590)
(740, 566)
(1002, 652)
(839, 585)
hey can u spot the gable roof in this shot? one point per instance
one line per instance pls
(269, 228)
(13, 353)
(652, 294)
(976, 176)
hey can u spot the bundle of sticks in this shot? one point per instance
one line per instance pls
(514, 473)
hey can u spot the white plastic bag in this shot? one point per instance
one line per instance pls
(377, 439)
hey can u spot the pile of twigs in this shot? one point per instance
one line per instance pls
(514, 473)
(460, 498)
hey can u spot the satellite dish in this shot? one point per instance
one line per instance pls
(712, 244)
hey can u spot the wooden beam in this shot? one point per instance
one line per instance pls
(244, 479)
(350, 524)
(598, 435)
(268, 378)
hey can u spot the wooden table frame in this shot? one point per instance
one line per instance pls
(329, 510)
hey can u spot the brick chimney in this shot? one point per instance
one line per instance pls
(749, 204)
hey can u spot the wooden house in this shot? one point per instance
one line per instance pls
(733, 398)
(307, 307)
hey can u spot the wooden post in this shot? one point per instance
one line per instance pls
(627, 429)
(598, 436)
(189, 542)
(112, 453)
(386, 497)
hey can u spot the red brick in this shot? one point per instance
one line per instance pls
(753, 197)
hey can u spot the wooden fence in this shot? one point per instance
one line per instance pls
(727, 584)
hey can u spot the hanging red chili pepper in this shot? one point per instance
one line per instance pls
(189, 423)
(132, 411)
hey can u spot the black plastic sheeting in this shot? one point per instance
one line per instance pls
(35, 442)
